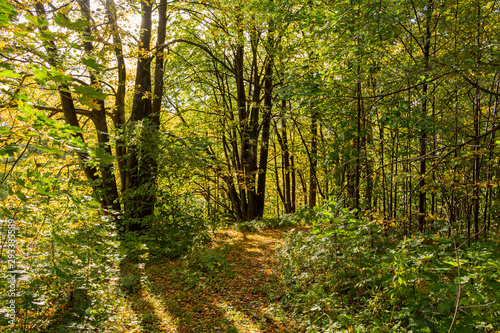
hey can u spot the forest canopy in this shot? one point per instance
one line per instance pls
(132, 130)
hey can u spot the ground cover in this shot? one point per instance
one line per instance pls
(231, 285)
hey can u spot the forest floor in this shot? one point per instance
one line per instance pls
(230, 286)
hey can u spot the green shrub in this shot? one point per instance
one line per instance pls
(346, 275)
(207, 260)
(177, 228)
(284, 221)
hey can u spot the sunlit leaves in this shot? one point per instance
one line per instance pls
(9, 74)
(8, 150)
(92, 63)
(89, 92)
(99, 155)
(7, 13)
(78, 25)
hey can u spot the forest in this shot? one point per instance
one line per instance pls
(249, 166)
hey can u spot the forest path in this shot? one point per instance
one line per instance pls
(231, 286)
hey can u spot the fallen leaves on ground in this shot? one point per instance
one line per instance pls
(239, 292)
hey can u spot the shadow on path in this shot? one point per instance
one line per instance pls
(242, 297)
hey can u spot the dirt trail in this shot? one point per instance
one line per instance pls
(232, 287)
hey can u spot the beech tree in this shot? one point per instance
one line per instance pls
(81, 52)
(237, 49)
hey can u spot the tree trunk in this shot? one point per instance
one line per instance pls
(359, 115)
(423, 132)
(313, 163)
(104, 186)
(286, 162)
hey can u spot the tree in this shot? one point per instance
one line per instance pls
(236, 49)
(77, 61)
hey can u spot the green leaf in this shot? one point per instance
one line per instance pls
(7, 13)
(9, 74)
(93, 64)
(20, 181)
(41, 75)
(51, 150)
(21, 196)
(103, 157)
(453, 263)
(444, 307)
(8, 150)
(89, 92)
(45, 191)
(436, 287)
(78, 25)
(59, 76)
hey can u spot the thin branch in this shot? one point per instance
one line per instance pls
(202, 47)
(476, 85)
(16, 161)
(81, 112)
(479, 306)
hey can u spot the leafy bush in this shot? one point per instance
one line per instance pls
(67, 267)
(284, 221)
(346, 275)
(176, 230)
(201, 264)
(207, 260)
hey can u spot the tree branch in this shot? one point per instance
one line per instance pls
(81, 112)
(202, 47)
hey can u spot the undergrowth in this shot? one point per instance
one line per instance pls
(351, 274)
(285, 221)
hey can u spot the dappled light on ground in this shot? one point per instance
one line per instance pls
(239, 320)
(153, 314)
(229, 287)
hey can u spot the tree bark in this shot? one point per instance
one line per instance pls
(266, 122)
(313, 163)
(422, 198)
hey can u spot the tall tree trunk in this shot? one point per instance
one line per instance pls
(423, 132)
(241, 101)
(294, 183)
(489, 172)
(118, 114)
(477, 131)
(139, 202)
(254, 122)
(141, 173)
(382, 162)
(286, 164)
(266, 126)
(285, 157)
(393, 177)
(313, 163)
(359, 115)
(266, 121)
(110, 189)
